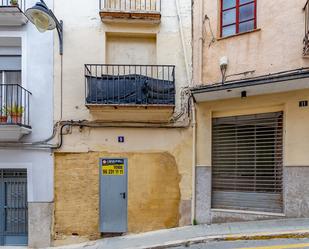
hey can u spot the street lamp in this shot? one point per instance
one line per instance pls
(44, 19)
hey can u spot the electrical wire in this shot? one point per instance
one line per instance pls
(61, 86)
(213, 39)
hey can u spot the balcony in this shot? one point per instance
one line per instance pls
(143, 11)
(119, 92)
(12, 12)
(14, 112)
(306, 38)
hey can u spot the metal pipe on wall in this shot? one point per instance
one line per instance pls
(84, 123)
(193, 122)
(200, 7)
(183, 43)
(201, 41)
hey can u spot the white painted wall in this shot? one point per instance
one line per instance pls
(131, 50)
(39, 165)
(85, 39)
(37, 77)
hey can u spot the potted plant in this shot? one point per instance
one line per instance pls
(16, 113)
(14, 2)
(3, 115)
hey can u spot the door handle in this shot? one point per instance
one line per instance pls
(123, 195)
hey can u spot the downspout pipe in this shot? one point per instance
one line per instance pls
(183, 43)
(200, 10)
(193, 204)
(201, 41)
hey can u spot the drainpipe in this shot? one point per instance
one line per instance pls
(193, 162)
(201, 41)
(194, 125)
(183, 43)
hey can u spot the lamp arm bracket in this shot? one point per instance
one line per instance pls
(59, 26)
(60, 34)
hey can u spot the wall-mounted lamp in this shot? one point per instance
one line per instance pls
(44, 19)
(223, 67)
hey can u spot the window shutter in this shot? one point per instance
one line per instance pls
(10, 63)
(247, 162)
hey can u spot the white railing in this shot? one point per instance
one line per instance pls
(18, 3)
(131, 5)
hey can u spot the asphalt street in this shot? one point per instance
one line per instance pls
(253, 244)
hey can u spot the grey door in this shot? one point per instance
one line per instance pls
(13, 207)
(113, 195)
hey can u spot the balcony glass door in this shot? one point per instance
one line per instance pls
(10, 94)
(11, 98)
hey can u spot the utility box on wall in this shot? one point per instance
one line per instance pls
(113, 195)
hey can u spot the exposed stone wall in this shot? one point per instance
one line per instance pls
(204, 214)
(153, 192)
(296, 198)
(296, 191)
(40, 224)
(222, 217)
(203, 194)
(76, 195)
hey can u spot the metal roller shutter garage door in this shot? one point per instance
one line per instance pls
(247, 162)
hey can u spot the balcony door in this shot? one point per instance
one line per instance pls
(10, 92)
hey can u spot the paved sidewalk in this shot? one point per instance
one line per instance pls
(194, 234)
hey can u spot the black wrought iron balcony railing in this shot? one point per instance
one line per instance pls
(21, 4)
(14, 105)
(131, 5)
(142, 85)
(306, 38)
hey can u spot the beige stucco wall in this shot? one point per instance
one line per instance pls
(87, 40)
(176, 142)
(275, 46)
(153, 192)
(121, 49)
(159, 185)
(296, 119)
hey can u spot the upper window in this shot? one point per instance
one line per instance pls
(237, 16)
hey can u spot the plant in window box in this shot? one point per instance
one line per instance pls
(16, 113)
(3, 115)
(14, 3)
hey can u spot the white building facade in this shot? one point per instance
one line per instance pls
(26, 121)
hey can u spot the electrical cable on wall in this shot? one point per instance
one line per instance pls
(213, 39)
(61, 86)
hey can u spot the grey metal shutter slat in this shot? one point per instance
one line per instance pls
(252, 201)
(247, 158)
(10, 63)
